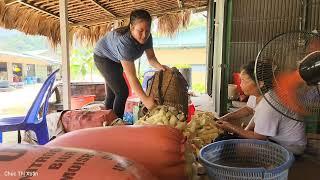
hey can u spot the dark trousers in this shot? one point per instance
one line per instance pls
(116, 88)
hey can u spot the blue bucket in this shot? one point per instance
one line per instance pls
(29, 80)
(241, 159)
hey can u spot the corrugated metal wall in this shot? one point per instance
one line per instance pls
(254, 22)
(313, 15)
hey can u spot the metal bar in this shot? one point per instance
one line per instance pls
(210, 41)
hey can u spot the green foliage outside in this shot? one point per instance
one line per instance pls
(199, 87)
(19, 42)
(181, 66)
(82, 64)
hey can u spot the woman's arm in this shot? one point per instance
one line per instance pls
(130, 70)
(239, 131)
(240, 113)
(153, 61)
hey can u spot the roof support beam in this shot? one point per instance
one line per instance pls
(103, 8)
(64, 33)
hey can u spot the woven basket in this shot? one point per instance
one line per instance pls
(169, 88)
(246, 159)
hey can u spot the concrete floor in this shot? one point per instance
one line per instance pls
(306, 168)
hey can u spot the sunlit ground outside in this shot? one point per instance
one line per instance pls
(16, 102)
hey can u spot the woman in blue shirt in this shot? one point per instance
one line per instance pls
(117, 51)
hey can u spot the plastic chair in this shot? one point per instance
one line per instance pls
(146, 77)
(32, 121)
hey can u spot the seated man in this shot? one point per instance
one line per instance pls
(266, 123)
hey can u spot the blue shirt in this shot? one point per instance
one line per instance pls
(118, 47)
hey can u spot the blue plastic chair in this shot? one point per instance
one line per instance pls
(146, 77)
(32, 121)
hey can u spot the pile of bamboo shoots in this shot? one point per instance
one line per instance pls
(200, 131)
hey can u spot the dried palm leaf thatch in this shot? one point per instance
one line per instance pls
(9, 16)
(186, 18)
(2, 4)
(170, 24)
(16, 15)
(90, 35)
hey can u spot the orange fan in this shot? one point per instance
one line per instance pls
(289, 67)
(287, 85)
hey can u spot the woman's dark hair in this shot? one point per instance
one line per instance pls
(136, 15)
(264, 73)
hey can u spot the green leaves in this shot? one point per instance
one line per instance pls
(82, 63)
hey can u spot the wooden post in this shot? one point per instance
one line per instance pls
(64, 32)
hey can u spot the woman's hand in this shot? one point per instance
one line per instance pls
(163, 68)
(149, 102)
(225, 126)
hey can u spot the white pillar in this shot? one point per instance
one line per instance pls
(64, 31)
(217, 57)
(10, 71)
(24, 71)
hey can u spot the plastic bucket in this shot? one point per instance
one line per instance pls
(191, 111)
(29, 80)
(78, 102)
(237, 81)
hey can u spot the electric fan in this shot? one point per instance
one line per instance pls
(288, 66)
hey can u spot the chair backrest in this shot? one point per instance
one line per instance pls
(146, 77)
(42, 98)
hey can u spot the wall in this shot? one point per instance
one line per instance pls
(41, 72)
(254, 22)
(40, 66)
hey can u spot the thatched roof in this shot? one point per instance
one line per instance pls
(91, 19)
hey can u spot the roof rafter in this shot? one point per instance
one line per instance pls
(90, 23)
(24, 2)
(8, 2)
(104, 8)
